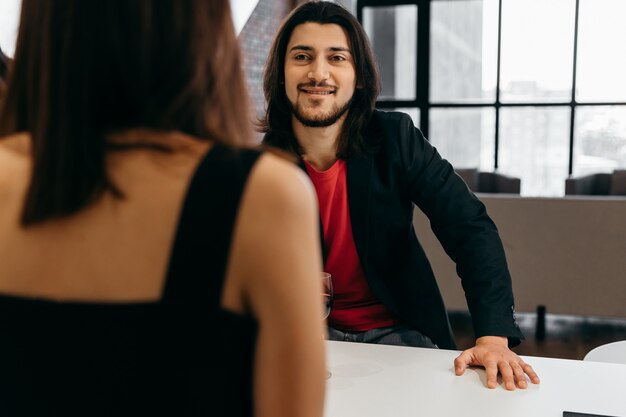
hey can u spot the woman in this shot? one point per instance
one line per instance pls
(4, 69)
(142, 270)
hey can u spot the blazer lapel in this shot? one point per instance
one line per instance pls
(360, 169)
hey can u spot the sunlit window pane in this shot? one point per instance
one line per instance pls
(534, 146)
(601, 56)
(537, 50)
(393, 34)
(465, 137)
(463, 50)
(599, 139)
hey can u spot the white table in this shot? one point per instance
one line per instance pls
(390, 381)
(611, 352)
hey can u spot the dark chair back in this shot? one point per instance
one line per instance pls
(489, 182)
(592, 184)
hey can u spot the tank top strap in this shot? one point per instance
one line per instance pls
(202, 243)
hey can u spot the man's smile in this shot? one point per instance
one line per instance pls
(317, 90)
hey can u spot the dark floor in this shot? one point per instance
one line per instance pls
(567, 337)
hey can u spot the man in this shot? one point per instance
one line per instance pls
(369, 168)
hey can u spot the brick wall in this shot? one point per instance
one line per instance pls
(255, 39)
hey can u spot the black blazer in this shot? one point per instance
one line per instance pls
(382, 190)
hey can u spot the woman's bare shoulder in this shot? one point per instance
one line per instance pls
(273, 267)
(15, 158)
(281, 185)
(15, 146)
(278, 208)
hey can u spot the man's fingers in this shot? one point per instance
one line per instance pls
(519, 375)
(497, 361)
(461, 362)
(534, 378)
(491, 369)
(507, 375)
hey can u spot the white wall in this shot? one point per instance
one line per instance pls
(9, 19)
(242, 9)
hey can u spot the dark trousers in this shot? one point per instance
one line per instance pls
(399, 335)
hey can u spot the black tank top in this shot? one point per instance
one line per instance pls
(181, 356)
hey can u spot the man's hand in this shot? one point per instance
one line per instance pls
(493, 353)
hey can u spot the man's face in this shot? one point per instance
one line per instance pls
(319, 74)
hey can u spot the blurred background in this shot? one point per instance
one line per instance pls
(533, 90)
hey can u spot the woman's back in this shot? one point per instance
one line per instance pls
(138, 305)
(126, 287)
(124, 360)
(122, 245)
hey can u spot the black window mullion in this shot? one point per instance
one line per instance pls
(497, 103)
(573, 104)
(422, 72)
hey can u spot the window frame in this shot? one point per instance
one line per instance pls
(422, 81)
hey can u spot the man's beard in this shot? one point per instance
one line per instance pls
(323, 120)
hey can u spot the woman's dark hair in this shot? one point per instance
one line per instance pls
(4, 66)
(277, 121)
(4, 71)
(85, 69)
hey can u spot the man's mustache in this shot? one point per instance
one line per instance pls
(322, 84)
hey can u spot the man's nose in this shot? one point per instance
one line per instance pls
(319, 71)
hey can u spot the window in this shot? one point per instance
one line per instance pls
(394, 47)
(530, 88)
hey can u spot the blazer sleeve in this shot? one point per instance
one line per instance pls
(467, 234)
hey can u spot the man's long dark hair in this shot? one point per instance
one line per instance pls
(277, 121)
(85, 69)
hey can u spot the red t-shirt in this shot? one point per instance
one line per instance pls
(355, 307)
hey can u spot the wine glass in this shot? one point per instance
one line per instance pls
(327, 293)
(327, 299)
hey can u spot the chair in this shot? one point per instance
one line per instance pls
(611, 352)
(489, 182)
(597, 184)
(618, 182)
